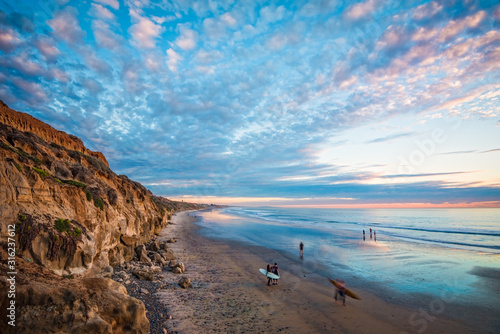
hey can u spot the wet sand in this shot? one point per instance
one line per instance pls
(229, 295)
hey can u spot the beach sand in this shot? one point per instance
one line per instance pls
(229, 295)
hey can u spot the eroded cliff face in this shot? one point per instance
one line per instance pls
(72, 214)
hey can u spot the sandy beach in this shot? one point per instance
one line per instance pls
(228, 294)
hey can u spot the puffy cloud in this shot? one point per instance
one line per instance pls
(33, 92)
(207, 57)
(95, 62)
(453, 28)
(105, 37)
(26, 66)
(187, 40)
(173, 59)
(427, 10)
(66, 27)
(361, 10)
(111, 3)
(101, 12)
(92, 85)
(145, 33)
(8, 40)
(47, 49)
(271, 14)
(276, 42)
(229, 20)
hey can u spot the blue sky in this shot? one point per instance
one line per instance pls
(331, 103)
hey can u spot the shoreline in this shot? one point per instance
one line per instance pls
(229, 295)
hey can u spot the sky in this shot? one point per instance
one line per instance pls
(376, 103)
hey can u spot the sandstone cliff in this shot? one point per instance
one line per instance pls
(73, 214)
(72, 217)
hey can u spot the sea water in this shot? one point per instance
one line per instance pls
(450, 254)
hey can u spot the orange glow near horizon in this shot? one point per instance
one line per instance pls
(310, 203)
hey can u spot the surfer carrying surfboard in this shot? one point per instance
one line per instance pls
(340, 290)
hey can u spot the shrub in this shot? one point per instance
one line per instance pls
(99, 203)
(89, 195)
(57, 180)
(36, 160)
(78, 232)
(19, 168)
(76, 183)
(41, 172)
(62, 225)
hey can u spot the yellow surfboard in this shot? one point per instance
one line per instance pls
(348, 292)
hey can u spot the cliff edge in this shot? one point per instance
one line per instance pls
(70, 214)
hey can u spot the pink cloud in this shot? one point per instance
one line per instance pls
(8, 40)
(101, 12)
(95, 63)
(361, 10)
(187, 40)
(423, 34)
(33, 89)
(453, 28)
(47, 49)
(427, 11)
(111, 3)
(59, 75)
(173, 59)
(144, 33)
(392, 37)
(27, 66)
(104, 36)
(65, 26)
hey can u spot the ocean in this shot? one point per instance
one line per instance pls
(449, 255)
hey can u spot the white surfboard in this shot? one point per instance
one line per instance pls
(268, 274)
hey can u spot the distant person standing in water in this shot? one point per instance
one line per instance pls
(301, 247)
(374, 235)
(363, 235)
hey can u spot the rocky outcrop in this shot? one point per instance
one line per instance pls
(73, 215)
(47, 303)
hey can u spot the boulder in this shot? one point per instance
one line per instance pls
(154, 246)
(168, 255)
(179, 268)
(184, 282)
(142, 254)
(158, 258)
(143, 275)
(163, 245)
(123, 275)
(128, 240)
(171, 241)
